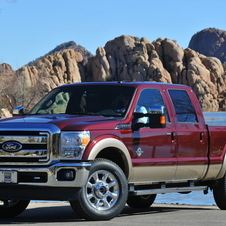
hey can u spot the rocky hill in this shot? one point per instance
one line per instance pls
(210, 42)
(130, 58)
(67, 45)
(123, 58)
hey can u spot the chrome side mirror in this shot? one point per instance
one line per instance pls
(17, 111)
(157, 116)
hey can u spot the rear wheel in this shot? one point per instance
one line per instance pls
(219, 193)
(105, 193)
(12, 208)
(142, 201)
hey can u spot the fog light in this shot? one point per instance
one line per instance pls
(69, 174)
(66, 175)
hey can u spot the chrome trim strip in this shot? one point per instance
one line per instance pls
(33, 153)
(26, 139)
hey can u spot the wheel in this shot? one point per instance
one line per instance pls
(219, 193)
(142, 201)
(105, 193)
(12, 208)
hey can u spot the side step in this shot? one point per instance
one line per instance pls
(164, 190)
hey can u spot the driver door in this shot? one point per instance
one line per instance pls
(154, 149)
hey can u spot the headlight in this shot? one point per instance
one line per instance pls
(72, 144)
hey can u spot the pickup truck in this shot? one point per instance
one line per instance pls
(102, 145)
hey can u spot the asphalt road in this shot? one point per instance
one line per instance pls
(47, 214)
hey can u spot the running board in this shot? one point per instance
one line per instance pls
(167, 190)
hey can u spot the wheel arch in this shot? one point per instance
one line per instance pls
(114, 150)
(223, 169)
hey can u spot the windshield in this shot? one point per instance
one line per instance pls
(104, 100)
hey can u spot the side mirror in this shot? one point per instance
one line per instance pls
(157, 116)
(17, 111)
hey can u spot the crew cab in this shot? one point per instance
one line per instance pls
(102, 145)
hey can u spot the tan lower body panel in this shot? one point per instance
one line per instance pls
(154, 174)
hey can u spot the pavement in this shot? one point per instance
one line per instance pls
(60, 213)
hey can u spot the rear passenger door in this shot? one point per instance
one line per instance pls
(191, 136)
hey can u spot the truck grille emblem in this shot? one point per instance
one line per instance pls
(11, 146)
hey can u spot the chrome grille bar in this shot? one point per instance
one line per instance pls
(33, 146)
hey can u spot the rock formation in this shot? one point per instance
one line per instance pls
(210, 42)
(28, 84)
(4, 113)
(163, 60)
(67, 45)
(123, 58)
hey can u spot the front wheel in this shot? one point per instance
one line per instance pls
(12, 208)
(105, 193)
(142, 201)
(219, 193)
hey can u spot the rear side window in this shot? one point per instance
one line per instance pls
(183, 106)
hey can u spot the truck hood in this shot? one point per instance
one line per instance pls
(63, 122)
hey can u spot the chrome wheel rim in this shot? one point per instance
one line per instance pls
(102, 190)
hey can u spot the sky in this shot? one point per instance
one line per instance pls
(31, 28)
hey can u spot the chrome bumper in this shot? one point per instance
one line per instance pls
(45, 176)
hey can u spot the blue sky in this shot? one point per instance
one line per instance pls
(31, 28)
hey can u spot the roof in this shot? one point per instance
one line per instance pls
(135, 84)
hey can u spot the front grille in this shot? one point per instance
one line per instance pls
(34, 146)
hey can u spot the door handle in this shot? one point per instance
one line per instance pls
(201, 137)
(172, 134)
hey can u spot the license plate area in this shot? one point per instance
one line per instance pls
(8, 177)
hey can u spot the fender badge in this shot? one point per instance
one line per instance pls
(139, 152)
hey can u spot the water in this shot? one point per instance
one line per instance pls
(215, 118)
(195, 197)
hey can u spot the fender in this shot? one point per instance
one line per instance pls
(223, 169)
(108, 141)
(216, 169)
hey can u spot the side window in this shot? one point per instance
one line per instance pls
(183, 106)
(149, 97)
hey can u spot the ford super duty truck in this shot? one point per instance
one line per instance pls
(102, 145)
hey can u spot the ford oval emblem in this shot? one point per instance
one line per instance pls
(11, 146)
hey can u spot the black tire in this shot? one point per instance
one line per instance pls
(12, 208)
(105, 193)
(219, 193)
(141, 201)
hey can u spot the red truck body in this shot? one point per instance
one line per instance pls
(182, 156)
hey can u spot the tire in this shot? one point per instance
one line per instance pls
(142, 201)
(12, 208)
(105, 193)
(219, 193)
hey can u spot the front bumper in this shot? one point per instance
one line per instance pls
(33, 185)
(49, 176)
